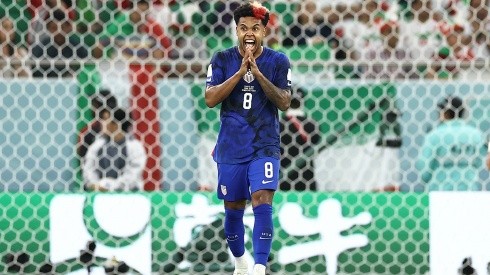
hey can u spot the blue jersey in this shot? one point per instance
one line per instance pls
(249, 120)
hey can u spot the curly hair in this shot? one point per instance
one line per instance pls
(252, 9)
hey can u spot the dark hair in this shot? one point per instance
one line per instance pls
(104, 99)
(122, 117)
(252, 9)
(452, 106)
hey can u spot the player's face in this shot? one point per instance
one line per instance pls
(108, 126)
(250, 33)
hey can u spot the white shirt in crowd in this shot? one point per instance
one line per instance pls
(131, 176)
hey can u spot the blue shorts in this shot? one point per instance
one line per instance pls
(238, 181)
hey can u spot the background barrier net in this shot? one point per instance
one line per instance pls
(368, 77)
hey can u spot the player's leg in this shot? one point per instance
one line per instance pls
(264, 177)
(235, 234)
(233, 190)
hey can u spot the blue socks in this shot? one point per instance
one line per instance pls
(235, 231)
(262, 233)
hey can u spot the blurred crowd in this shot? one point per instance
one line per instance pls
(363, 39)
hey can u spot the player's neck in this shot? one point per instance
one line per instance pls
(259, 52)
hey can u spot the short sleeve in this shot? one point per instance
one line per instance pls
(283, 73)
(215, 73)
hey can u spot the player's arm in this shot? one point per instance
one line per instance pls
(280, 97)
(217, 93)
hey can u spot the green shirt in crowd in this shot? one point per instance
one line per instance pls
(452, 157)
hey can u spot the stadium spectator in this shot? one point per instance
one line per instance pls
(454, 48)
(306, 39)
(134, 34)
(94, 17)
(482, 45)
(419, 35)
(451, 156)
(465, 13)
(354, 35)
(214, 19)
(187, 47)
(115, 161)
(133, 42)
(56, 51)
(170, 12)
(310, 27)
(41, 12)
(13, 55)
(390, 52)
(17, 12)
(329, 4)
(298, 134)
(480, 28)
(478, 17)
(102, 103)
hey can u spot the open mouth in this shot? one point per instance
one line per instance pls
(249, 44)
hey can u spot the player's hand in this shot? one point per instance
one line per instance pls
(252, 64)
(245, 63)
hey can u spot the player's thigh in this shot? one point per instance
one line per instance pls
(233, 182)
(263, 174)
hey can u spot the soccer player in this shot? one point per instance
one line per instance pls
(251, 82)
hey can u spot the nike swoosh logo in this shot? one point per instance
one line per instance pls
(266, 181)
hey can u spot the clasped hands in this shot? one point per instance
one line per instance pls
(248, 63)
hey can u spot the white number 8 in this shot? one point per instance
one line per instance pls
(247, 101)
(268, 169)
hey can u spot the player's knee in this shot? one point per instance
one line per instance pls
(236, 205)
(262, 197)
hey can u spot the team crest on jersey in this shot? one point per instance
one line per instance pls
(248, 77)
(223, 190)
(209, 75)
